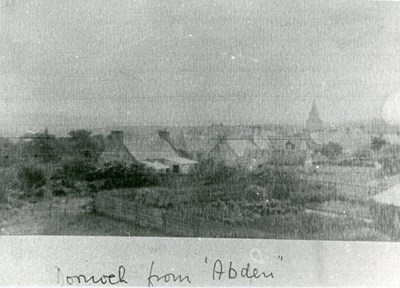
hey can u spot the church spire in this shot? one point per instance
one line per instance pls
(314, 121)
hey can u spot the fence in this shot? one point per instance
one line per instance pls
(193, 222)
(118, 206)
(197, 221)
(387, 218)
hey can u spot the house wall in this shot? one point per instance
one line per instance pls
(183, 168)
(255, 157)
(188, 168)
(223, 153)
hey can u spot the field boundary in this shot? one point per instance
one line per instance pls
(171, 221)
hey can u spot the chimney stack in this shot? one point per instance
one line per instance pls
(164, 134)
(253, 129)
(117, 136)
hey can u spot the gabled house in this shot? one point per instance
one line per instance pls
(247, 153)
(155, 151)
(290, 150)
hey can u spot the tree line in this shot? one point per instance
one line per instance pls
(46, 147)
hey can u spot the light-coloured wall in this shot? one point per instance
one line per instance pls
(183, 168)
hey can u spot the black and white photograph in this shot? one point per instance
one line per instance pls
(208, 119)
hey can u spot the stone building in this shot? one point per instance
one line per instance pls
(154, 151)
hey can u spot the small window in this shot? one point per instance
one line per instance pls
(175, 168)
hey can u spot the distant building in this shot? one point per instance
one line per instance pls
(314, 122)
(351, 141)
(247, 153)
(296, 142)
(289, 150)
(155, 151)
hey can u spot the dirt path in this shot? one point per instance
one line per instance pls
(390, 196)
(333, 215)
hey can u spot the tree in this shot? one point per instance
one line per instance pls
(7, 152)
(331, 150)
(82, 143)
(31, 177)
(42, 146)
(377, 143)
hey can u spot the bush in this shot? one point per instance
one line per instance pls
(76, 169)
(59, 192)
(148, 197)
(377, 143)
(314, 194)
(31, 177)
(255, 193)
(39, 193)
(331, 150)
(211, 172)
(362, 153)
(117, 175)
(281, 183)
(287, 158)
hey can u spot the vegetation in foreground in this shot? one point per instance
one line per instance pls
(215, 201)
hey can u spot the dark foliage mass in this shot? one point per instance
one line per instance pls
(111, 175)
(116, 175)
(7, 152)
(42, 147)
(331, 150)
(84, 145)
(76, 169)
(280, 182)
(211, 172)
(31, 177)
(377, 143)
(287, 158)
(45, 147)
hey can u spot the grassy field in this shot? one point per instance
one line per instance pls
(351, 182)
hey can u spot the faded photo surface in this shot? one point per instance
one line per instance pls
(209, 118)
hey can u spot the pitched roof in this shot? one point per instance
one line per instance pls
(278, 141)
(199, 143)
(240, 146)
(148, 147)
(262, 144)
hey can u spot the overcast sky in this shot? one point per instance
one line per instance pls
(196, 62)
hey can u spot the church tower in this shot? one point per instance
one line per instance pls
(314, 122)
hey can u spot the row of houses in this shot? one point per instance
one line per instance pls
(234, 146)
(159, 152)
(253, 152)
